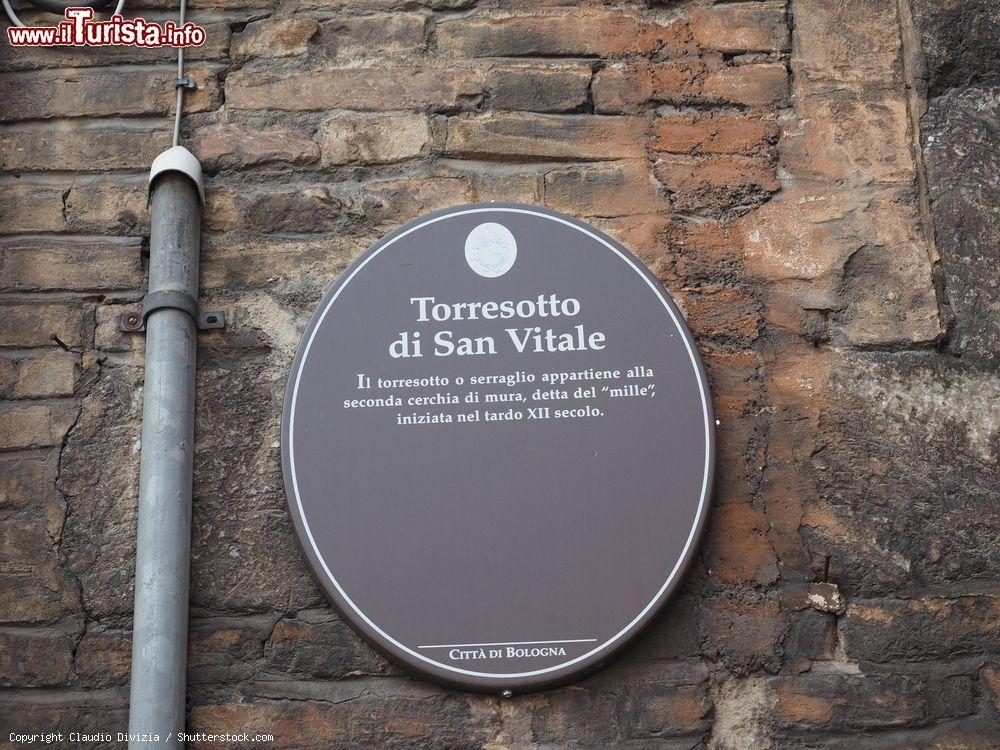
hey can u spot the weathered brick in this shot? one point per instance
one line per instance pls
(24, 539)
(965, 224)
(27, 207)
(28, 484)
(99, 91)
(823, 597)
(830, 244)
(793, 433)
(745, 637)
(842, 137)
(34, 324)
(587, 33)
(847, 43)
(374, 36)
(737, 392)
(504, 184)
(30, 426)
(522, 5)
(926, 410)
(705, 248)
(740, 28)
(661, 708)
(226, 650)
(735, 377)
(232, 145)
(103, 658)
(537, 88)
(722, 313)
(35, 593)
(888, 283)
(715, 183)
(221, 211)
(918, 629)
(47, 265)
(35, 657)
(949, 696)
(738, 548)
(991, 676)
(380, 89)
(643, 236)
(396, 201)
(97, 542)
(363, 712)
(84, 148)
(8, 377)
(812, 636)
(742, 437)
(326, 5)
(218, 4)
(324, 723)
(98, 206)
(317, 643)
(840, 701)
(274, 37)
(798, 235)
(378, 139)
(627, 89)
(243, 262)
(715, 134)
(87, 712)
(547, 137)
(603, 190)
(577, 715)
(755, 85)
(89, 205)
(46, 375)
(294, 210)
(231, 391)
(742, 453)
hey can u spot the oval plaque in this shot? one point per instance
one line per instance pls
(498, 447)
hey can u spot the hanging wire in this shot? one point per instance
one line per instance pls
(180, 83)
(54, 7)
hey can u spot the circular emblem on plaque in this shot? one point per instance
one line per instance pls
(490, 249)
(498, 448)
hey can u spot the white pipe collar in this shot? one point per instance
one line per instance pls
(178, 159)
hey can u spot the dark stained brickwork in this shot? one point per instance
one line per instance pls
(814, 182)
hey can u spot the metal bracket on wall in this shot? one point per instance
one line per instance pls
(135, 321)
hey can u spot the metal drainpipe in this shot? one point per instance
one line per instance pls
(159, 634)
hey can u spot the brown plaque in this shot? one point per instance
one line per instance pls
(498, 447)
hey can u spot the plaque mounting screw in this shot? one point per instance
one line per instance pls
(507, 694)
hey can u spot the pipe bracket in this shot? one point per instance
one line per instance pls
(135, 321)
(169, 298)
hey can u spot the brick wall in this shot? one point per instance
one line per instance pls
(833, 248)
